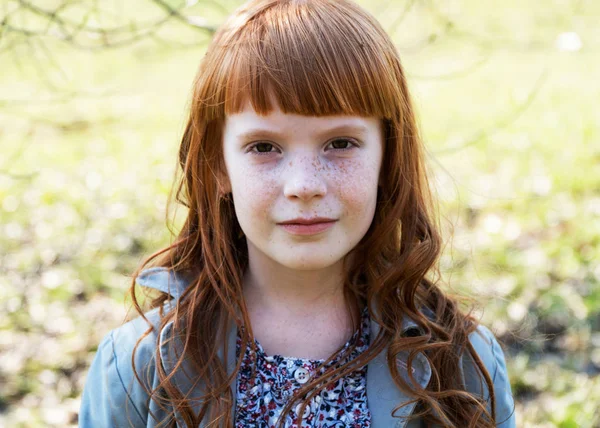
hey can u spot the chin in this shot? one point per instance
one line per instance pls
(313, 262)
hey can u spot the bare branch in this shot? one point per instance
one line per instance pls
(400, 18)
(500, 124)
(455, 74)
(59, 26)
(194, 23)
(8, 174)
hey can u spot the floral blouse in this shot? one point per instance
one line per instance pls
(260, 401)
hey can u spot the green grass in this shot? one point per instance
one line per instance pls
(89, 143)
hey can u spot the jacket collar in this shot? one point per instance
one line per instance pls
(382, 393)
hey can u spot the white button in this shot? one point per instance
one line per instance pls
(306, 410)
(301, 375)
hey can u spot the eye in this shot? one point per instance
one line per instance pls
(339, 144)
(343, 144)
(262, 148)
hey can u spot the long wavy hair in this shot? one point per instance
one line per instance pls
(313, 57)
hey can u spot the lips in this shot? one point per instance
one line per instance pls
(306, 221)
(311, 228)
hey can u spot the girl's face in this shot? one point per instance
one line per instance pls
(282, 167)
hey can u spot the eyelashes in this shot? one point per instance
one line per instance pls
(262, 148)
(260, 145)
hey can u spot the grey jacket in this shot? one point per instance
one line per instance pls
(112, 396)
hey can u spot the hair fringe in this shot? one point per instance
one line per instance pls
(318, 57)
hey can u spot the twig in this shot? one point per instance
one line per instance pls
(502, 123)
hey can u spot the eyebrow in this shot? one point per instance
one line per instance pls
(258, 133)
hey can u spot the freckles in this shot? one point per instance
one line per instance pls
(256, 187)
(347, 172)
(355, 181)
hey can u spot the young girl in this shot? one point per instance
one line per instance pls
(299, 289)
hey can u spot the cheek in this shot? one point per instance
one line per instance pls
(356, 185)
(253, 190)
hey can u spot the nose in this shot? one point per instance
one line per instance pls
(304, 178)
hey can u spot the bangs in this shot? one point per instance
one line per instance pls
(313, 58)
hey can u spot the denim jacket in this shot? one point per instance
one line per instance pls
(113, 397)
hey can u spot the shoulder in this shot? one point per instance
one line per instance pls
(112, 394)
(123, 341)
(492, 356)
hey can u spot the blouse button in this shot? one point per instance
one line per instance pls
(301, 375)
(306, 410)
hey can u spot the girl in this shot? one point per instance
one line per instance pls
(299, 290)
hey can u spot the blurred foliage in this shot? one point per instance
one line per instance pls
(90, 122)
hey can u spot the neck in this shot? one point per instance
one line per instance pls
(291, 293)
(296, 292)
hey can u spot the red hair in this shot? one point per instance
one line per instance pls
(317, 57)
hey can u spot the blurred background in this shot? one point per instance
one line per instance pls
(93, 98)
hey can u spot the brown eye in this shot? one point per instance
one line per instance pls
(262, 147)
(342, 144)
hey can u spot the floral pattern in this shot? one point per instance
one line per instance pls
(260, 399)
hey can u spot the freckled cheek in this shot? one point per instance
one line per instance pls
(254, 191)
(357, 198)
(357, 190)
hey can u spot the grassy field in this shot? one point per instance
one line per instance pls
(507, 98)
